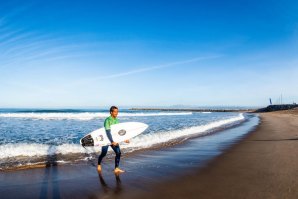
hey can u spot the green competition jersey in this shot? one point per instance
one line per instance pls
(110, 121)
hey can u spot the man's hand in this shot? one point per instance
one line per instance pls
(126, 141)
(114, 143)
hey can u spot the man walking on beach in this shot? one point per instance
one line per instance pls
(112, 119)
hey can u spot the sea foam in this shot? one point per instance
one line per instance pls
(142, 141)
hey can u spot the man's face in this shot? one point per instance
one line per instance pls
(114, 113)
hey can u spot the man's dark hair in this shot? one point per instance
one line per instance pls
(113, 108)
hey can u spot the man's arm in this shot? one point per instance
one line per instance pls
(109, 135)
(107, 126)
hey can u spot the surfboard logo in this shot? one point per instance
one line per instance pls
(122, 132)
(99, 138)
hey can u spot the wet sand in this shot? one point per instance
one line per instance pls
(263, 165)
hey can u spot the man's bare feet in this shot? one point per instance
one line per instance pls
(99, 169)
(118, 171)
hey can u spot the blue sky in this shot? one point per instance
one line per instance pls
(147, 53)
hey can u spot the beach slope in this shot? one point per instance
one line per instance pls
(263, 165)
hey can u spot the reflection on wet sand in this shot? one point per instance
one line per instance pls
(107, 189)
(51, 171)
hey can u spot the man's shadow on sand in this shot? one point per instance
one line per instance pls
(50, 184)
(106, 189)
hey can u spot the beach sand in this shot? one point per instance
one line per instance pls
(263, 165)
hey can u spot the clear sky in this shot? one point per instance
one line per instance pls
(147, 53)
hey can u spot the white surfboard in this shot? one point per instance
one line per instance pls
(119, 132)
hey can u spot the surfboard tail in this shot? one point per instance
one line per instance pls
(87, 141)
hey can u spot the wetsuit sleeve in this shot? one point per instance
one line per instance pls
(109, 135)
(107, 124)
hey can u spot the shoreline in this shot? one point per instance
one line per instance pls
(262, 165)
(143, 170)
(21, 162)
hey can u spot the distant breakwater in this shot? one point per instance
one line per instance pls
(279, 107)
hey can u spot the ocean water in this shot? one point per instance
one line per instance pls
(33, 137)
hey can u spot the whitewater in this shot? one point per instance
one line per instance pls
(31, 137)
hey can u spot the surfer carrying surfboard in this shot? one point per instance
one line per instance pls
(112, 119)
